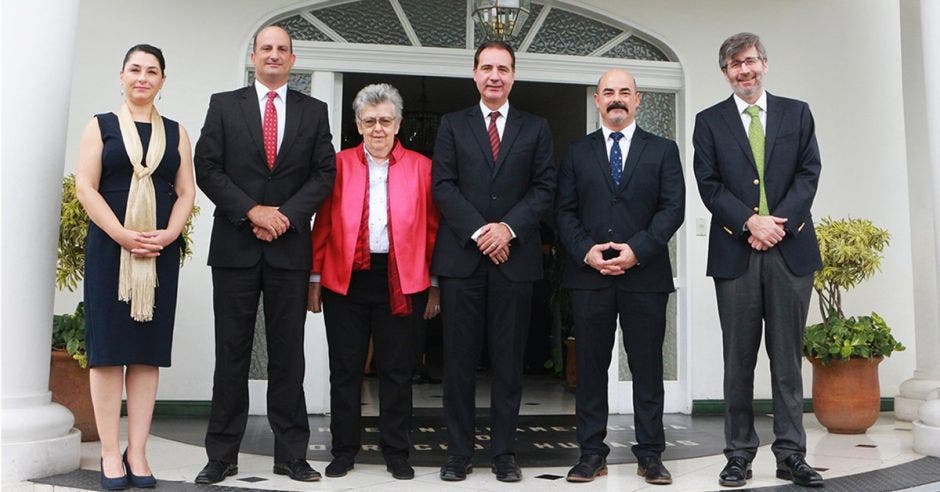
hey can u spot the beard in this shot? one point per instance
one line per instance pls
(748, 92)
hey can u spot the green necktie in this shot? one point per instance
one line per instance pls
(755, 135)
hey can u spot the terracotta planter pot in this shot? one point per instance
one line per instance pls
(846, 394)
(69, 385)
(571, 370)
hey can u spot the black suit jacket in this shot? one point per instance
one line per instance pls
(471, 190)
(728, 182)
(644, 211)
(232, 171)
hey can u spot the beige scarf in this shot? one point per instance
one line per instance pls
(138, 276)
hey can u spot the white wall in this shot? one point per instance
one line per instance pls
(843, 57)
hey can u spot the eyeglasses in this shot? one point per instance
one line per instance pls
(384, 121)
(750, 61)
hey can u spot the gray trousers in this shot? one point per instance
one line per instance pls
(766, 295)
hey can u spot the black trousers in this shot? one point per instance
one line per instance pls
(488, 307)
(767, 298)
(643, 321)
(235, 303)
(350, 321)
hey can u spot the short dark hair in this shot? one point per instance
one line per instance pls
(254, 40)
(150, 50)
(500, 45)
(738, 43)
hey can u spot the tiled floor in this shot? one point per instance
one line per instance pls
(840, 454)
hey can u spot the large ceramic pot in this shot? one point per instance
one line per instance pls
(69, 385)
(846, 394)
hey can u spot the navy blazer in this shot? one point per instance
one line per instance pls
(728, 182)
(644, 211)
(471, 190)
(232, 171)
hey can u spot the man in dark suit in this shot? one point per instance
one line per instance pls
(620, 198)
(493, 177)
(759, 186)
(266, 161)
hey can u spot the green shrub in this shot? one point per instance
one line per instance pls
(851, 251)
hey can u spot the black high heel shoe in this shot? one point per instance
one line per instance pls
(117, 483)
(138, 481)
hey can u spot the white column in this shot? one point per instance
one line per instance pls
(37, 42)
(926, 382)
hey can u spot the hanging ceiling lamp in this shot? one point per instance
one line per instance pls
(501, 20)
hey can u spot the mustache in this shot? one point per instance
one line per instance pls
(617, 105)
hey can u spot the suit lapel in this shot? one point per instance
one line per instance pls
(774, 117)
(478, 129)
(510, 132)
(291, 126)
(633, 155)
(599, 149)
(729, 113)
(252, 114)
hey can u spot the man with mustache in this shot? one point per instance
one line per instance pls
(757, 166)
(493, 178)
(621, 197)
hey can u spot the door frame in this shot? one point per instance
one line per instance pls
(327, 61)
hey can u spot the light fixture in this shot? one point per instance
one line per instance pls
(501, 20)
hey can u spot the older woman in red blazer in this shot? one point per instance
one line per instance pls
(372, 243)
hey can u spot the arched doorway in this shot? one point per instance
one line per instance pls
(561, 43)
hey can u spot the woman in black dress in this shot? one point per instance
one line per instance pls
(135, 181)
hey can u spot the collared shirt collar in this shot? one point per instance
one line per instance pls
(627, 132)
(503, 110)
(263, 91)
(372, 160)
(760, 103)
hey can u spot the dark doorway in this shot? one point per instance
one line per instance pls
(426, 99)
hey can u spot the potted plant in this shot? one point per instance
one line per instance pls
(845, 351)
(68, 375)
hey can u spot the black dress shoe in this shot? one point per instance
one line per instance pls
(736, 473)
(399, 468)
(456, 468)
(653, 470)
(795, 469)
(506, 469)
(298, 470)
(216, 471)
(339, 466)
(588, 467)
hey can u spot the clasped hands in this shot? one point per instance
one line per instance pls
(145, 244)
(766, 231)
(493, 241)
(617, 265)
(267, 223)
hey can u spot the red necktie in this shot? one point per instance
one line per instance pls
(494, 135)
(269, 128)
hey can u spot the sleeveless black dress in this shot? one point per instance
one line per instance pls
(112, 337)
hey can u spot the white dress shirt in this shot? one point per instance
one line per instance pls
(500, 121)
(746, 118)
(624, 142)
(378, 204)
(280, 104)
